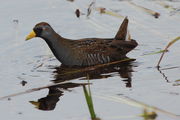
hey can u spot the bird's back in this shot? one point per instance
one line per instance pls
(92, 51)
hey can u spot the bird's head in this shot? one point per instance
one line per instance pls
(42, 30)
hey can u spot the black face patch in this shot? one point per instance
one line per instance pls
(38, 31)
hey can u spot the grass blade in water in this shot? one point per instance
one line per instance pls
(169, 44)
(89, 101)
(153, 53)
(135, 103)
(104, 11)
(36, 89)
(151, 12)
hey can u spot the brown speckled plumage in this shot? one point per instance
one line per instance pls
(87, 51)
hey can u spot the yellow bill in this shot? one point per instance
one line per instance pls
(31, 35)
(36, 104)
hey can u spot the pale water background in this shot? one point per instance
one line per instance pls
(34, 63)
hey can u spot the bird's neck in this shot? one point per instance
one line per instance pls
(59, 46)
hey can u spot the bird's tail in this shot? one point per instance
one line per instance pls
(123, 33)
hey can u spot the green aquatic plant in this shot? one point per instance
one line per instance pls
(89, 102)
(88, 96)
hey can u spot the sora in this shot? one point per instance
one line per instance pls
(87, 51)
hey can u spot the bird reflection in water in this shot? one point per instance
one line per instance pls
(64, 74)
(55, 92)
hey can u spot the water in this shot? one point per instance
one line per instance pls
(33, 63)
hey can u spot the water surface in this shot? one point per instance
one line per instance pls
(33, 64)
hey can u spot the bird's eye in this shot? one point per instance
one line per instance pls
(38, 31)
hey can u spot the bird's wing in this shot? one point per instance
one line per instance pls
(93, 51)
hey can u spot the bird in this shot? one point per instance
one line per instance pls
(86, 51)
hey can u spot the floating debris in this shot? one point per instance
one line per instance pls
(16, 28)
(108, 12)
(90, 8)
(102, 10)
(20, 113)
(151, 12)
(9, 99)
(165, 5)
(37, 66)
(149, 115)
(71, 0)
(77, 12)
(15, 21)
(177, 80)
(176, 11)
(20, 78)
(177, 83)
(23, 83)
